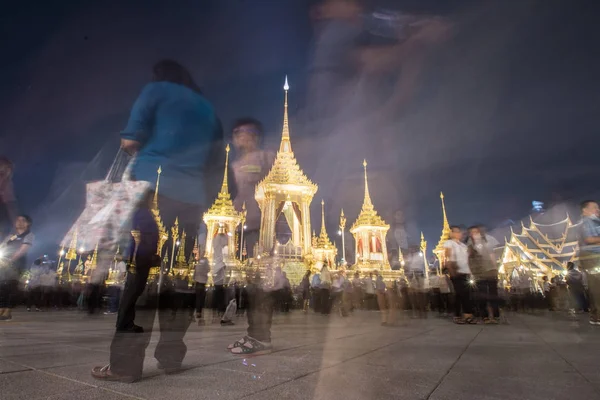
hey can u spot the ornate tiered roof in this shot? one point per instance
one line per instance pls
(285, 170)
(323, 241)
(368, 216)
(163, 235)
(548, 247)
(223, 207)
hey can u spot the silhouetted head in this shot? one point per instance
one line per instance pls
(172, 71)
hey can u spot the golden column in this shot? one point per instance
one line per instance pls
(424, 252)
(342, 230)
(175, 239)
(242, 229)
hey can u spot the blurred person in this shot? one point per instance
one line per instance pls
(219, 296)
(8, 202)
(115, 289)
(369, 290)
(357, 294)
(549, 298)
(288, 296)
(484, 269)
(305, 288)
(201, 270)
(278, 289)
(172, 126)
(315, 285)
(337, 293)
(325, 290)
(260, 316)
(250, 166)
(34, 288)
(589, 254)
(381, 301)
(457, 257)
(13, 261)
(415, 272)
(445, 293)
(576, 288)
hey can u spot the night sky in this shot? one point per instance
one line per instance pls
(504, 113)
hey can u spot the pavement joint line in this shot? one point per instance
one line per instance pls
(45, 372)
(441, 380)
(337, 363)
(596, 389)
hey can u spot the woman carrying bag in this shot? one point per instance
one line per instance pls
(173, 127)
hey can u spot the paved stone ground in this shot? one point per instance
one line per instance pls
(49, 356)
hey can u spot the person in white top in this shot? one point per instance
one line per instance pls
(457, 262)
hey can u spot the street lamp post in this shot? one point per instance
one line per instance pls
(243, 228)
(342, 228)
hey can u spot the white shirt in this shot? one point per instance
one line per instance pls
(459, 255)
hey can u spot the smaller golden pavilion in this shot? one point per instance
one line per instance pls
(440, 251)
(369, 232)
(223, 217)
(323, 250)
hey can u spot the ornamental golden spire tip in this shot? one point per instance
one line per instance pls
(285, 133)
(367, 201)
(225, 186)
(155, 200)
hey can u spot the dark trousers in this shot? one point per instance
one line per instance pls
(260, 313)
(8, 293)
(200, 297)
(325, 300)
(114, 297)
(93, 297)
(34, 297)
(487, 293)
(462, 289)
(134, 287)
(219, 300)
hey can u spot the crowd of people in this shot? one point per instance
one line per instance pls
(173, 125)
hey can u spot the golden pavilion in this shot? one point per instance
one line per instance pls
(323, 250)
(285, 195)
(369, 232)
(222, 217)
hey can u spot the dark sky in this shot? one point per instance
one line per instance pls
(504, 113)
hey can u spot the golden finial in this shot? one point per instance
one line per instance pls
(224, 187)
(367, 202)
(285, 133)
(342, 220)
(155, 200)
(446, 224)
(323, 232)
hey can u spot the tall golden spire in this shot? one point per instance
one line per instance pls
(368, 216)
(181, 251)
(439, 250)
(225, 187)
(446, 224)
(155, 200)
(285, 145)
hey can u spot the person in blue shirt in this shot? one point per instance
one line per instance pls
(589, 254)
(174, 127)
